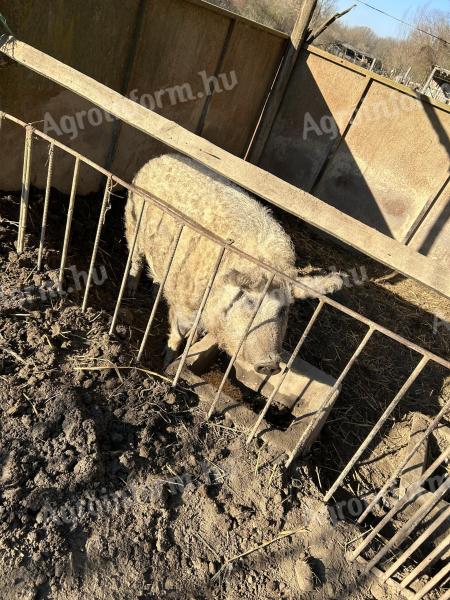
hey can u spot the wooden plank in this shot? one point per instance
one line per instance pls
(282, 194)
(250, 65)
(298, 36)
(433, 235)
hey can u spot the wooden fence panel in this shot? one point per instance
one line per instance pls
(319, 94)
(365, 145)
(160, 52)
(391, 163)
(179, 40)
(80, 34)
(250, 63)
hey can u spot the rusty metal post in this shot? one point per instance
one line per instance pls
(127, 270)
(329, 399)
(428, 561)
(400, 504)
(101, 221)
(51, 153)
(73, 194)
(160, 292)
(404, 389)
(286, 371)
(410, 525)
(415, 546)
(198, 317)
(25, 194)
(434, 582)
(405, 462)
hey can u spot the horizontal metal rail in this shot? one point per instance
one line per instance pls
(182, 218)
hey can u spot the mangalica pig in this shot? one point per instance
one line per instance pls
(231, 213)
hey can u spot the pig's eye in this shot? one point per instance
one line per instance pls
(250, 303)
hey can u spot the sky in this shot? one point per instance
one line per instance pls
(382, 25)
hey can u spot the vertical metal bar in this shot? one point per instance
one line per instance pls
(426, 562)
(127, 270)
(415, 546)
(412, 492)
(25, 195)
(405, 462)
(73, 194)
(404, 389)
(286, 371)
(329, 399)
(198, 317)
(410, 525)
(101, 221)
(433, 582)
(238, 349)
(446, 596)
(160, 292)
(51, 153)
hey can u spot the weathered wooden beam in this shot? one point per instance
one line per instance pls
(298, 36)
(381, 248)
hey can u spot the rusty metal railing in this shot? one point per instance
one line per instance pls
(425, 357)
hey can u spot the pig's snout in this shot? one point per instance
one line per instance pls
(270, 367)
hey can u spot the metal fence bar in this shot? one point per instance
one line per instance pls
(427, 562)
(239, 347)
(446, 596)
(101, 221)
(399, 470)
(412, 492)
(179, 216)
(193, 331)
(410, 525)
(286, 372)
(25, 194)
(160, 292)
(329, 399)
(398, 398)
(415, 546)
(73, 194)
(127, 270)
(433, 582)
(48, 186)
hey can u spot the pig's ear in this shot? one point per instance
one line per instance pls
(245, 281)
(327, 284)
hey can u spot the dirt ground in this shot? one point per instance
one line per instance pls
(113, 487)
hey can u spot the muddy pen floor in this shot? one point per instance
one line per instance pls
(113, 486)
